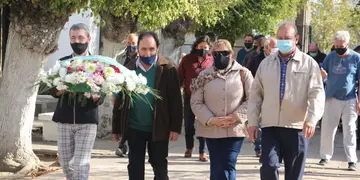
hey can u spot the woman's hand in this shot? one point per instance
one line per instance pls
(222, 122)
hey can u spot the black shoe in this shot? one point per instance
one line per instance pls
(123, 148)
(323, 162)
(352, 166)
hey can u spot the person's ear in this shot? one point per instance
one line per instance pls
(297, 37)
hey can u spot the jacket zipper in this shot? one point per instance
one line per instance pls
(74, 108)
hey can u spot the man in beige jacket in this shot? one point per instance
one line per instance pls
(288, 93)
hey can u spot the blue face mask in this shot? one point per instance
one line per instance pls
(148, 60)
(285, 46)
(131, 49)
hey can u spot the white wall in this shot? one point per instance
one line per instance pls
(64, 40)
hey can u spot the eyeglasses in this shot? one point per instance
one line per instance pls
(223, 53)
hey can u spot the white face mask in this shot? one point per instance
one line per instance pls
(274, 50)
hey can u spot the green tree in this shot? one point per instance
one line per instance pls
(33, 34)
(259, 15)
(329, 16)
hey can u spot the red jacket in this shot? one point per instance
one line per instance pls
(190, 68)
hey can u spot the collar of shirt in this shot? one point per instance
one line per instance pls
(73, 54)
(289, 58)
(138, 64)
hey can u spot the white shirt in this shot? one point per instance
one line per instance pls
(87, 54)
(138, 64)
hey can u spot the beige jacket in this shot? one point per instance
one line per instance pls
(222, 97)
(304, 97)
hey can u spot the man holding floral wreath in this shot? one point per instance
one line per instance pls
(150, 127)
(76, 121)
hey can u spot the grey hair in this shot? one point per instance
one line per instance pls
(266, 43)
(291, 25)
(81, 26)
(343, 36)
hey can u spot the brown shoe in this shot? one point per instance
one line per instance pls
(188, 153)
(203, 157)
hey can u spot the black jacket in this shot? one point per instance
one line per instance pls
(71, 111)
(319, 58)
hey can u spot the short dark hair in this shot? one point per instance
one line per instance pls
(212, 36)
(258, 36)
(152, 34)
(249, 35)
(200, 40)
(357, 49)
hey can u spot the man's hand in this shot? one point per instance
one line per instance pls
(324, 74)
(60, 92)
(308, 130)
(116, 137)
(253, 133)
(173, 136)
(95, 97)
(358, 108)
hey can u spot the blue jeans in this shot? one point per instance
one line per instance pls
(189, 119)
(223, 157)
(285, 144)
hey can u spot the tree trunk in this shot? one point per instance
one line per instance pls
(33, 33)
(173, 37)
(114, 33)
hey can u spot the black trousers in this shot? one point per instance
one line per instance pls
(287, 144)
(157, 150)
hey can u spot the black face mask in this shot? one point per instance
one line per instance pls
(131, 49)
(248, 45)
(341, 51)
(255, 46)
(79, 48)
(200, 52)
(221, 61)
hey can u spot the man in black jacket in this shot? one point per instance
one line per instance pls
(76, 122)
(315, 53)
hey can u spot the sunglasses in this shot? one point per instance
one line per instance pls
(223, 53)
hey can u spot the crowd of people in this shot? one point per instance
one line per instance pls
(270, 92)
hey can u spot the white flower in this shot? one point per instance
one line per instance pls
(142, 79)
(109, 71)
(90, 67)
(61, 86)
(76, 63)
(130, 85)
(80, 77)
(55, 69)
(62, 72)
(95, 88)
(109, 88)
(116, 79)
(57, 81)
(70, 78)
(118, 88)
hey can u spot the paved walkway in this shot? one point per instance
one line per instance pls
(105, 165)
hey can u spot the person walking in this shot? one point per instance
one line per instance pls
(192, 64)
(219, 101)
(288, 94)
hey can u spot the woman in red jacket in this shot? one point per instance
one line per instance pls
(190, 67)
